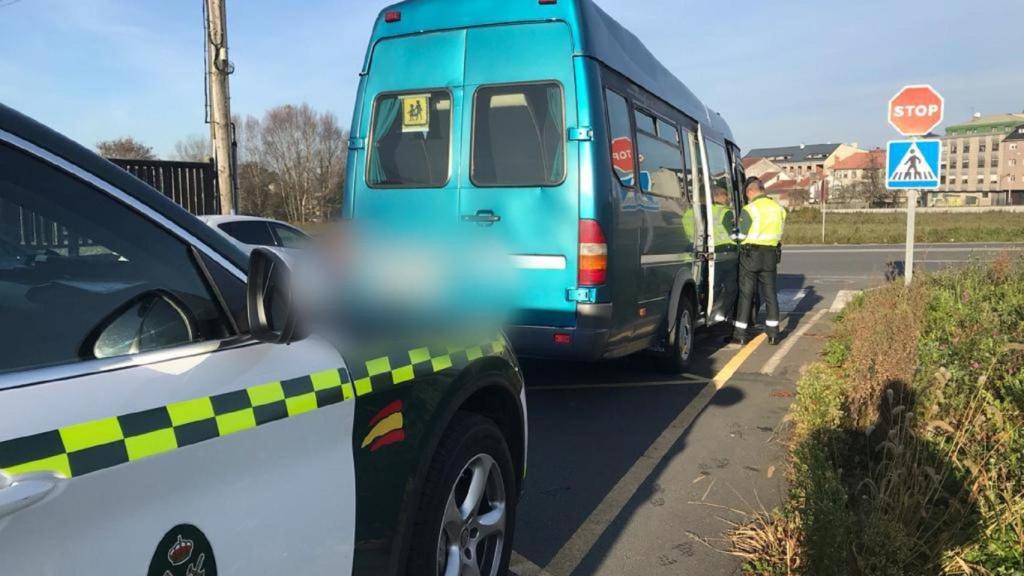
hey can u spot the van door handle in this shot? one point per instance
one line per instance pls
(482, 217)
(24, 493)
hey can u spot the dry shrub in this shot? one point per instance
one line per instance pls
(769, 544)
(882, 337)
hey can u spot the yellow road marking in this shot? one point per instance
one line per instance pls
(582, 541)
(734, 364)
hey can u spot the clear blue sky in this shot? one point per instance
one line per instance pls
(782, 72)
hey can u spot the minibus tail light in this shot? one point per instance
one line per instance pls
(542, 2)
(593, 264)
(392, 16)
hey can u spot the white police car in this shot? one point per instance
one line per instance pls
(151, 422)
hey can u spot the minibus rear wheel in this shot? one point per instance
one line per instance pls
(677, 357)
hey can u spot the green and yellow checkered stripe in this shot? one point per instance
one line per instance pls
(397, 368)
(83, 448)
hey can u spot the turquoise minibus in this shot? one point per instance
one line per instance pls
(552, 130)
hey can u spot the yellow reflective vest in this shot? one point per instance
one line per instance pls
(762, 222)
(723, 224)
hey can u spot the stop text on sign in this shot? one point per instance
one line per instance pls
(919, 110)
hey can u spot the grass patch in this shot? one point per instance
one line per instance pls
(907, 446)
(804, 227)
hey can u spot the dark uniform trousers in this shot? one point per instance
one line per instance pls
(758, 269)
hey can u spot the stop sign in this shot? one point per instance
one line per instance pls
(916, 110)
(622, 155)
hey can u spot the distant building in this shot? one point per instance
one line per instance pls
(975, 170)
(859, 167)
(859, 181)
(1011, 164)
(806, 159)
(769, 178)
(754, 166)
(790, 192)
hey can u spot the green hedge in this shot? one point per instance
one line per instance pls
(804, 227)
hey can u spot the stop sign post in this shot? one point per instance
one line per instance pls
(914, 111)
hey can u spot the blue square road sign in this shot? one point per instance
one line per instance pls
(913, 164)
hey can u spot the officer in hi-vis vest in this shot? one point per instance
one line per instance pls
(725, 222)
(760, 234)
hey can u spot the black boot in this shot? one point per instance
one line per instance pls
(740, 339)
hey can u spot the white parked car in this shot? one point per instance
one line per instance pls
(248, 232)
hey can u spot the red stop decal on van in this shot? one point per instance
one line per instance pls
(622, 155)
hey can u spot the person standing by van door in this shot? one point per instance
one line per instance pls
(760, 235)
(725, 220)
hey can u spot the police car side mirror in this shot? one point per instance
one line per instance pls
(271, 307)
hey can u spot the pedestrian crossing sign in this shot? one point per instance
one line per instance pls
(913, 164)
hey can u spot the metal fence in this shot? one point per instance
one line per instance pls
(36, 232)
(191, 185)
(25, 228)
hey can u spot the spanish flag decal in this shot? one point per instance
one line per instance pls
(386, 427)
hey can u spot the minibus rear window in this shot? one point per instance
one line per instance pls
(518, 135)
(410, 140)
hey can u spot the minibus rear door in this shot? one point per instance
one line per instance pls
(521, 187)
(410, 120)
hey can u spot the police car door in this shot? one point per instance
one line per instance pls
(138, 433)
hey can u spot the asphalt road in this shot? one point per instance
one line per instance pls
(635, 473)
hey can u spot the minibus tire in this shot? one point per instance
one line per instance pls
(469, 438)
(677, 357)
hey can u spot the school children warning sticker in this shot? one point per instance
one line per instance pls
(416, 113)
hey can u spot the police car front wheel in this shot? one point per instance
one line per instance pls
(466, 519)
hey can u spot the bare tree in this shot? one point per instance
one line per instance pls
(256, 183)
(126, 148)
(305, 151)
(195, 148)
(871, 187)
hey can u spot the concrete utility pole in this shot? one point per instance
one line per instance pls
(218, 69)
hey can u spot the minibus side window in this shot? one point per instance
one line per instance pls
(667, 132)
(721, 173)
(739, 176)
(410, 140)
(621, 138)
(518, 135)
(695, 178)
(644, 122)
(661, 163)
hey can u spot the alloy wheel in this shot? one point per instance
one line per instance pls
(685, 334)
(471, 539)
